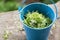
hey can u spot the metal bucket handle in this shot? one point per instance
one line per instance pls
(56, 9)
(23, 2)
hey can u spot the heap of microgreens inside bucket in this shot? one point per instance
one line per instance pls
(37, 20)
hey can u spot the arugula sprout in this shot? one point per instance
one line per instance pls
(37, 20)
(6, 34)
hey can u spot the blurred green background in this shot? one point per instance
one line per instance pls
(10, 5)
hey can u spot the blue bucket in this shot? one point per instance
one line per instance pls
(42, 33)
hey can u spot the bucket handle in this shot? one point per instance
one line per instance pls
(23, 2)
(56, 9)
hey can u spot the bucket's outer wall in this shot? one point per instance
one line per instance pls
(37, 34)
(32, 34)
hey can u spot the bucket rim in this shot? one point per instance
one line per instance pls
(38, 28)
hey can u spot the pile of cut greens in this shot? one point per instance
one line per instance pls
(37, 20)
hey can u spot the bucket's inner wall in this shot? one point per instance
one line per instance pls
(40, 8)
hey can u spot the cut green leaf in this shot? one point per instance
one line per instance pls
(37, 20)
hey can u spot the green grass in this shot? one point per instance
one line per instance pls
(9, 6)
(49, 2)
